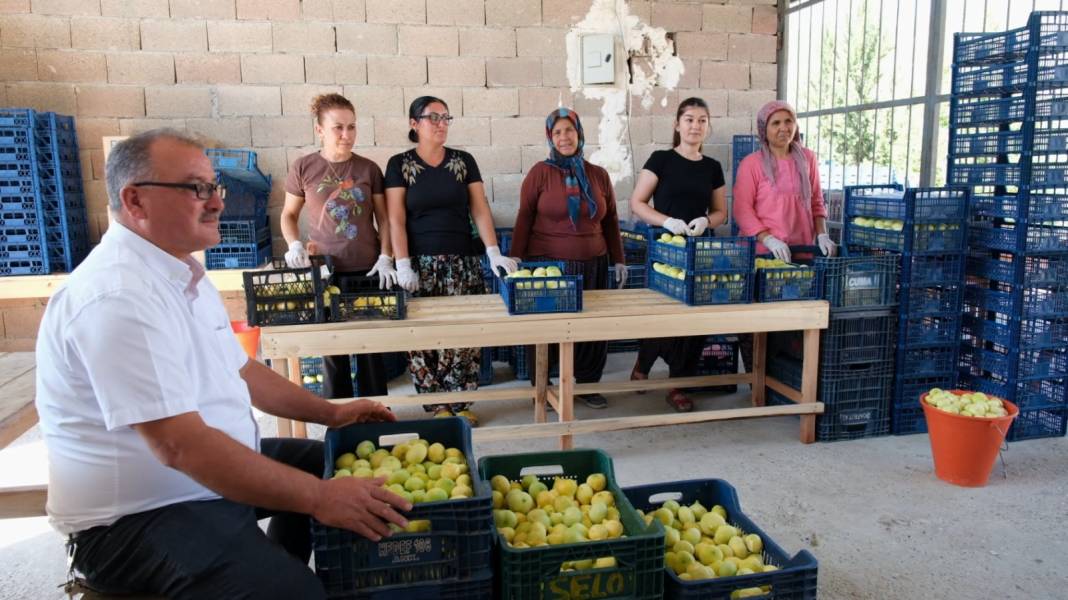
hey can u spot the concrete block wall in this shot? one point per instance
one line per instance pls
(241, 73)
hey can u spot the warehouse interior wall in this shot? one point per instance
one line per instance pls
(241, 74)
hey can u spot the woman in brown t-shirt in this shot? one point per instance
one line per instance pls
(341, 198)
(567, 212)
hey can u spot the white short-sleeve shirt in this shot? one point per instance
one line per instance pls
(134, 335)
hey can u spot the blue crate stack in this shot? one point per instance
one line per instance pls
(1008, 143)
(44, 227)
(741, 147)
(245, 229)
(311, 370)
(927, 229)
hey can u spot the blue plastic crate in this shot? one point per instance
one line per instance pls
(989, 79)
(457, 547)
(933, 269)
(485, 369)
(906, 414)
(864, 282)
(704, 253)
(636, 279)
(20, 217)
(1023, 301)
(237, 256)
(970, 48)
(17, 136)
(239, 165)
(1049, 103)
(702, 289)
(243, 201)
(918, 239)
(635, 235)
(926, 205)
(1038, 424)
(741, 147)
(984, 173)
(931, 360)
(1051, 68)
(1029, 394)
(1018, 237)
(929, 330)
(1012, 332)
(537, 295)
(971, 111)
(31, 235)
(19, 250)
(987, 142)
(245, 231)
(17, 117)
(1049, 170)
(795, 578)
(777, 285)
(1033, 206)
(938, 301)
(518, 362)
(1018, 269)
(23, 266)
(1022, 366)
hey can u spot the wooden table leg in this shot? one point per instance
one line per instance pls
(300, 429)
(279, 365)
(567, 389)
(809, 372)
(760, 352)
(541, 381)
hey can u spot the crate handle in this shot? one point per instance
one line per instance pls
(542, 470)
(393, 439)
(662, 497)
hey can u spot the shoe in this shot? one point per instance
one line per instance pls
(443, 411)
(679, 401)
(636, 375)
(472, 419)
(594, 400)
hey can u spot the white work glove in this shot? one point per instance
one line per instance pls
(697, 227)
(387, 275)
(777, 247)
(297, 256)
(496, 260)
(676, 226)
(406, 277)
(828, 247)
(621, 275)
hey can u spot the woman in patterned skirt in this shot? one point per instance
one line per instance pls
(434, 193)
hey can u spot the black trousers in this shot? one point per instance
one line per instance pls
(208, 549)
(682, 354)
(590, 357)
(370, 368)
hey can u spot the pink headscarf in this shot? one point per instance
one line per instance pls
(796, 148)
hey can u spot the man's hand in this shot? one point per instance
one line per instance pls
(362, 411)
(360, 505)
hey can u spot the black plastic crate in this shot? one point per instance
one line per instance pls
(859, 282)
(458, 546)
(795, 579)
(284, 296)
(245, 231)
(361, 298)
(719, 356)
(857, 338)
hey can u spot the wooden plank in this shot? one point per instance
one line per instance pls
(17, 411)
(448, 397)
(541, 381)
(300, 428)
(614, 387)
(568, 428)
(760, 345)
(43, 286)
(285, 426)
(554, 400)
(782, 388)
(17, 502)
(566, 409)
(809, 372)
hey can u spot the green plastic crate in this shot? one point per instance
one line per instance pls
(534, 573)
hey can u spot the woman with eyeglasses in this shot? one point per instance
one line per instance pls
(567, 212)
(340, 196)
(689, 199)
(434, 193)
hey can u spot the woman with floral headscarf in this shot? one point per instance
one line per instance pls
(340, 196)
(567, 212)
(777, 194)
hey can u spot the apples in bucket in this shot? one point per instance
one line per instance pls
(967, 404)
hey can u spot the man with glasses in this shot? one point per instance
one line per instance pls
(157, 473)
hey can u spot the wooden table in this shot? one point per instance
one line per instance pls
(475, 321)
(17, 385)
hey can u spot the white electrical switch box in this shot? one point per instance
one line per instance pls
(598, 58)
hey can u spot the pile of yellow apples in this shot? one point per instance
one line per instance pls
(898, 225)
(670, 271)
(674, 240)
(550, 271)
(969, 404)
(702, 545)
(418, 471)
(801, 271)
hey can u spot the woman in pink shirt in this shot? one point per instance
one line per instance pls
(777, 192)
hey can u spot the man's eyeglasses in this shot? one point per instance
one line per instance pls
(203, 190)
(435, 118)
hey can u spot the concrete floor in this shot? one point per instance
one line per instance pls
(871, 511)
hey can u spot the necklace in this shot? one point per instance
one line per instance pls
(331, 171)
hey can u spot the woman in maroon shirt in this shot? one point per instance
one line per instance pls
(567, 212)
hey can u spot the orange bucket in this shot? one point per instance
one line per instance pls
(248, 336)
(965, 448)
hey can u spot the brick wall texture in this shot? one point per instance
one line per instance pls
(240, 73)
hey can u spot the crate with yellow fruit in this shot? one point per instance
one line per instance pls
(284, 296)
(778, 281)
(361, 298)
(541, 287)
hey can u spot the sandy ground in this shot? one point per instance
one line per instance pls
(879, 522)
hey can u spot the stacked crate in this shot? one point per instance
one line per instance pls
(635, 249)
(856, 364)
(714, 270)
(927, 229)
(44, 227)
(1008, 143)
(244, 228)
(741, 147)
